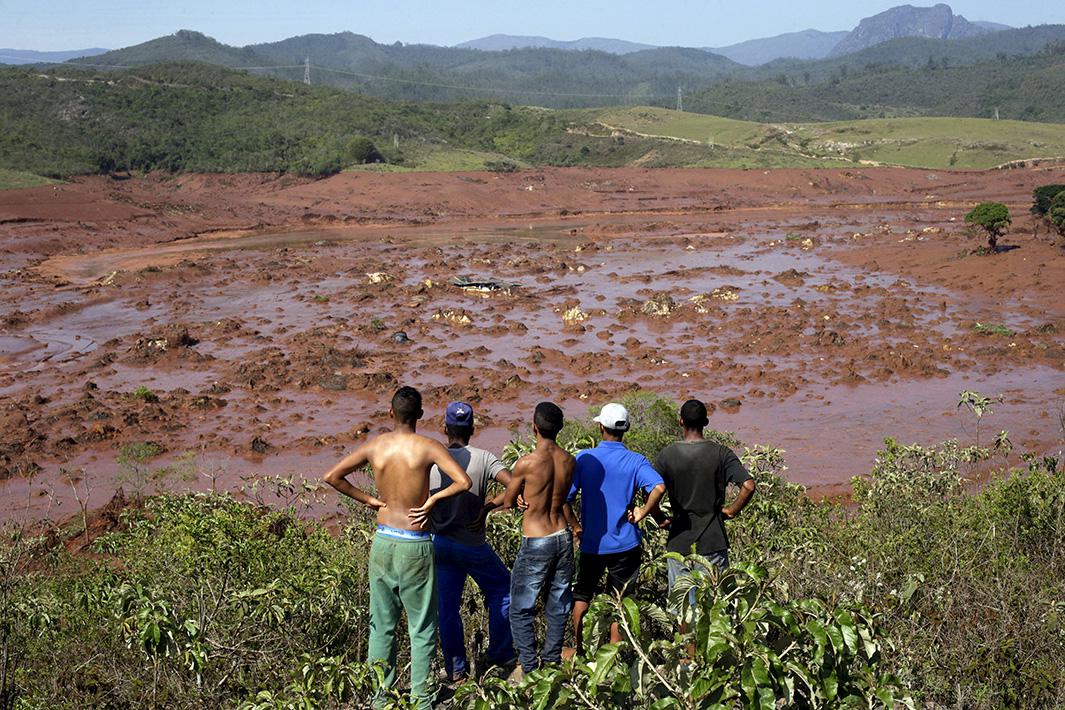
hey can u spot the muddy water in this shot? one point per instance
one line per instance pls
(826, 347)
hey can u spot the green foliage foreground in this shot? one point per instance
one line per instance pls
(920, 593)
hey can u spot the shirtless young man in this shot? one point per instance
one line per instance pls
(402, 573)
(545, 559)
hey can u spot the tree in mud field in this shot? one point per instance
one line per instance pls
(1042, 196)
(993, 218)
(1056, 212)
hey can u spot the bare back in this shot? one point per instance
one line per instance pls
(546, 475)
(401, 463)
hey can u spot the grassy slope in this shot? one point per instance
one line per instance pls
(16, 179)
(916, 142)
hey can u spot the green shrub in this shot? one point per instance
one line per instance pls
(361, 150)
(748, 645)
(993, 218)
(992, 329)
(1056, 212)
(144, 393)
(1042, 197)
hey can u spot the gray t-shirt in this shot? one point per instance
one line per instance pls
(450, 516)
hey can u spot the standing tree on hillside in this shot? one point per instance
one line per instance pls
(1056, 212)
(993, 218)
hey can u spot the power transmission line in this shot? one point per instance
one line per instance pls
(307, 71)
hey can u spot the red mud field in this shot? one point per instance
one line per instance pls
(835, 306)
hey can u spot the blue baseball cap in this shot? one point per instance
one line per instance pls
(459, 414)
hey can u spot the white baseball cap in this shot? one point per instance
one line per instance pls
(613, 416)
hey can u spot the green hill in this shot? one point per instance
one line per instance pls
(921, 52)
(916, 142)
(203, 118)
(1019, 72)
(1022, 88)
(543, 76)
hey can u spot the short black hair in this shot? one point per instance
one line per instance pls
(407, 405)
(458, 431)
(693, 414)
(616, 433)
(548, 419)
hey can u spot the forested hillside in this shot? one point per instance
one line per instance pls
(202, 118)
(1022, 88)
(191, 117)
(900, 77)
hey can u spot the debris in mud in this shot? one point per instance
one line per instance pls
(168, 338)
(792, 277)
(206, 402)
(731, 403)
(574, 315)
(454, 316)
(660, 305)
(726, 293)
(483, 287)
(698, 302)
(259, 445)
(830, 337)
(400, 337)
(377, 381)
(335, 382)
(17, 437)
(378, 277)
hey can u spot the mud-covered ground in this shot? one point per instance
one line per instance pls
(205, 330)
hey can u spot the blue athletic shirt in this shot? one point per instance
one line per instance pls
(608, 477)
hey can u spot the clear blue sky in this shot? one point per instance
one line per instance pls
(76, 24)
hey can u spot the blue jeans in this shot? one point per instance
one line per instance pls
(542, 563)
(675, 570)
(454, 561)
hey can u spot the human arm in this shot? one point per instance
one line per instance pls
(515, 486)
(573, 523)
(460, 482)
(337, 477)
(651, 506)
(663, 521)
(477, 524)
(737, 474)
(647, 478)
(733, 509)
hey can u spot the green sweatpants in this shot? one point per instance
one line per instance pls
(403, 578)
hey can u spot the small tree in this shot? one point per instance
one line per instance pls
(1056, 212)
(361, 150)
(1042, 196)
(993, 218)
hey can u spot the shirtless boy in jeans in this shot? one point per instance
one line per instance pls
(402, 574)
(545, 559)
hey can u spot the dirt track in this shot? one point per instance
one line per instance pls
(837, 306)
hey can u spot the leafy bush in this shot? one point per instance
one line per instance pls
(1056, 212)
(500, 166)
(1042, 197)
(748, 645)
(993, 218)
(144, 393)
(992, 329)
(362, 150)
